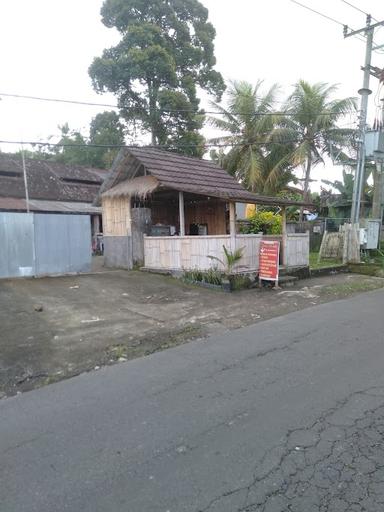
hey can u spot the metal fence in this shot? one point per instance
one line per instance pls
(316, 229)
(36, 244)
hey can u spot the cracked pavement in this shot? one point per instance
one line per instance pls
(284, 415)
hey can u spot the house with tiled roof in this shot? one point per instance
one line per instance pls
(49, 187)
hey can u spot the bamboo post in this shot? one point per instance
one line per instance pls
(181, 214)
(284, 248)
(232, 225)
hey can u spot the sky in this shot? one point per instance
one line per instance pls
(46, 47)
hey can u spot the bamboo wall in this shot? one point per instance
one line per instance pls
(190, 252)
(116, 216)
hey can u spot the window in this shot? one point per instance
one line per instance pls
(11, 174)
(79, 181)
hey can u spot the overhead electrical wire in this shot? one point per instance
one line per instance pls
(329, 18)
(151, 146)
(204, 112)
(317, 12)
(358, 9)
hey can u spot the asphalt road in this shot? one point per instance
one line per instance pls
(286, 415)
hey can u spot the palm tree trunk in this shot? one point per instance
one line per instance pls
(307, 178)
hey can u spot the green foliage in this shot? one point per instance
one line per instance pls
(239, 282)
(312, 124)
(249, 123)
(71, 154)
(267, 147)
(193, 275)
(105, 129)
(266, 222)
(230, 258)
(165, 53)
(339, 204)
(210, 276)
(213, 276)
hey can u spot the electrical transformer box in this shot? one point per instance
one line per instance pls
(374, 144)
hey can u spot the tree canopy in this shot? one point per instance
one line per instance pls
(249, 121)
(268, 145)
(106, 130)
(165, 53)
(312, 122)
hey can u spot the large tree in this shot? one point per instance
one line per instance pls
(257, 160)
(312, 122)
(165, 53)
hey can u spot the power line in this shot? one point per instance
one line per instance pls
(151, 146)
(211, 112)
(317, 12)
(367, 14)
(57, 100)
(357, 9)
(329, 18)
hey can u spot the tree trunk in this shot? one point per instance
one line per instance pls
(307, 178)
(153, 91)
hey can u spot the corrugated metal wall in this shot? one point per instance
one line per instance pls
(33, 244)
(16, 245)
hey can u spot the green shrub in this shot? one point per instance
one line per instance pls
(269, 223)
(212, 276)
(239, 282)
(193, 275)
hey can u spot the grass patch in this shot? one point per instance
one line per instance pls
(324, 263)
(353, 287)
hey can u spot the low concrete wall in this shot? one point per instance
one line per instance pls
(118, 252)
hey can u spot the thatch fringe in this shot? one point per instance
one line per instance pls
(138, 187)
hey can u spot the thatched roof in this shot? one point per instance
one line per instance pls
(139, 187)
(180, 173)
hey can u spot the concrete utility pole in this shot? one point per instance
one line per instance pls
(25, 178)
(365, 91)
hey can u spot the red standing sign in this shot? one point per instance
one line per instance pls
(269, 260)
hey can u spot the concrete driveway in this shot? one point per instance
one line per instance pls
(53, 328)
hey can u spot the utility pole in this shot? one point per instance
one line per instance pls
(25, 178)
(364, 92)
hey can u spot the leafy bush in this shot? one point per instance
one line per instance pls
(239, 282)
(267, 222)
(193, 275)
(212, 276)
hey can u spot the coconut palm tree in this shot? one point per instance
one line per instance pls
(312, 118)
(248, 120)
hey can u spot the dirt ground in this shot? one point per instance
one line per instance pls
(54, 328)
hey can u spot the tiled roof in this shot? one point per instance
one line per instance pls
(185, 174)
(47, 180)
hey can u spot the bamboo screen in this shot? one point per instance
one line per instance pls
(116, 216)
